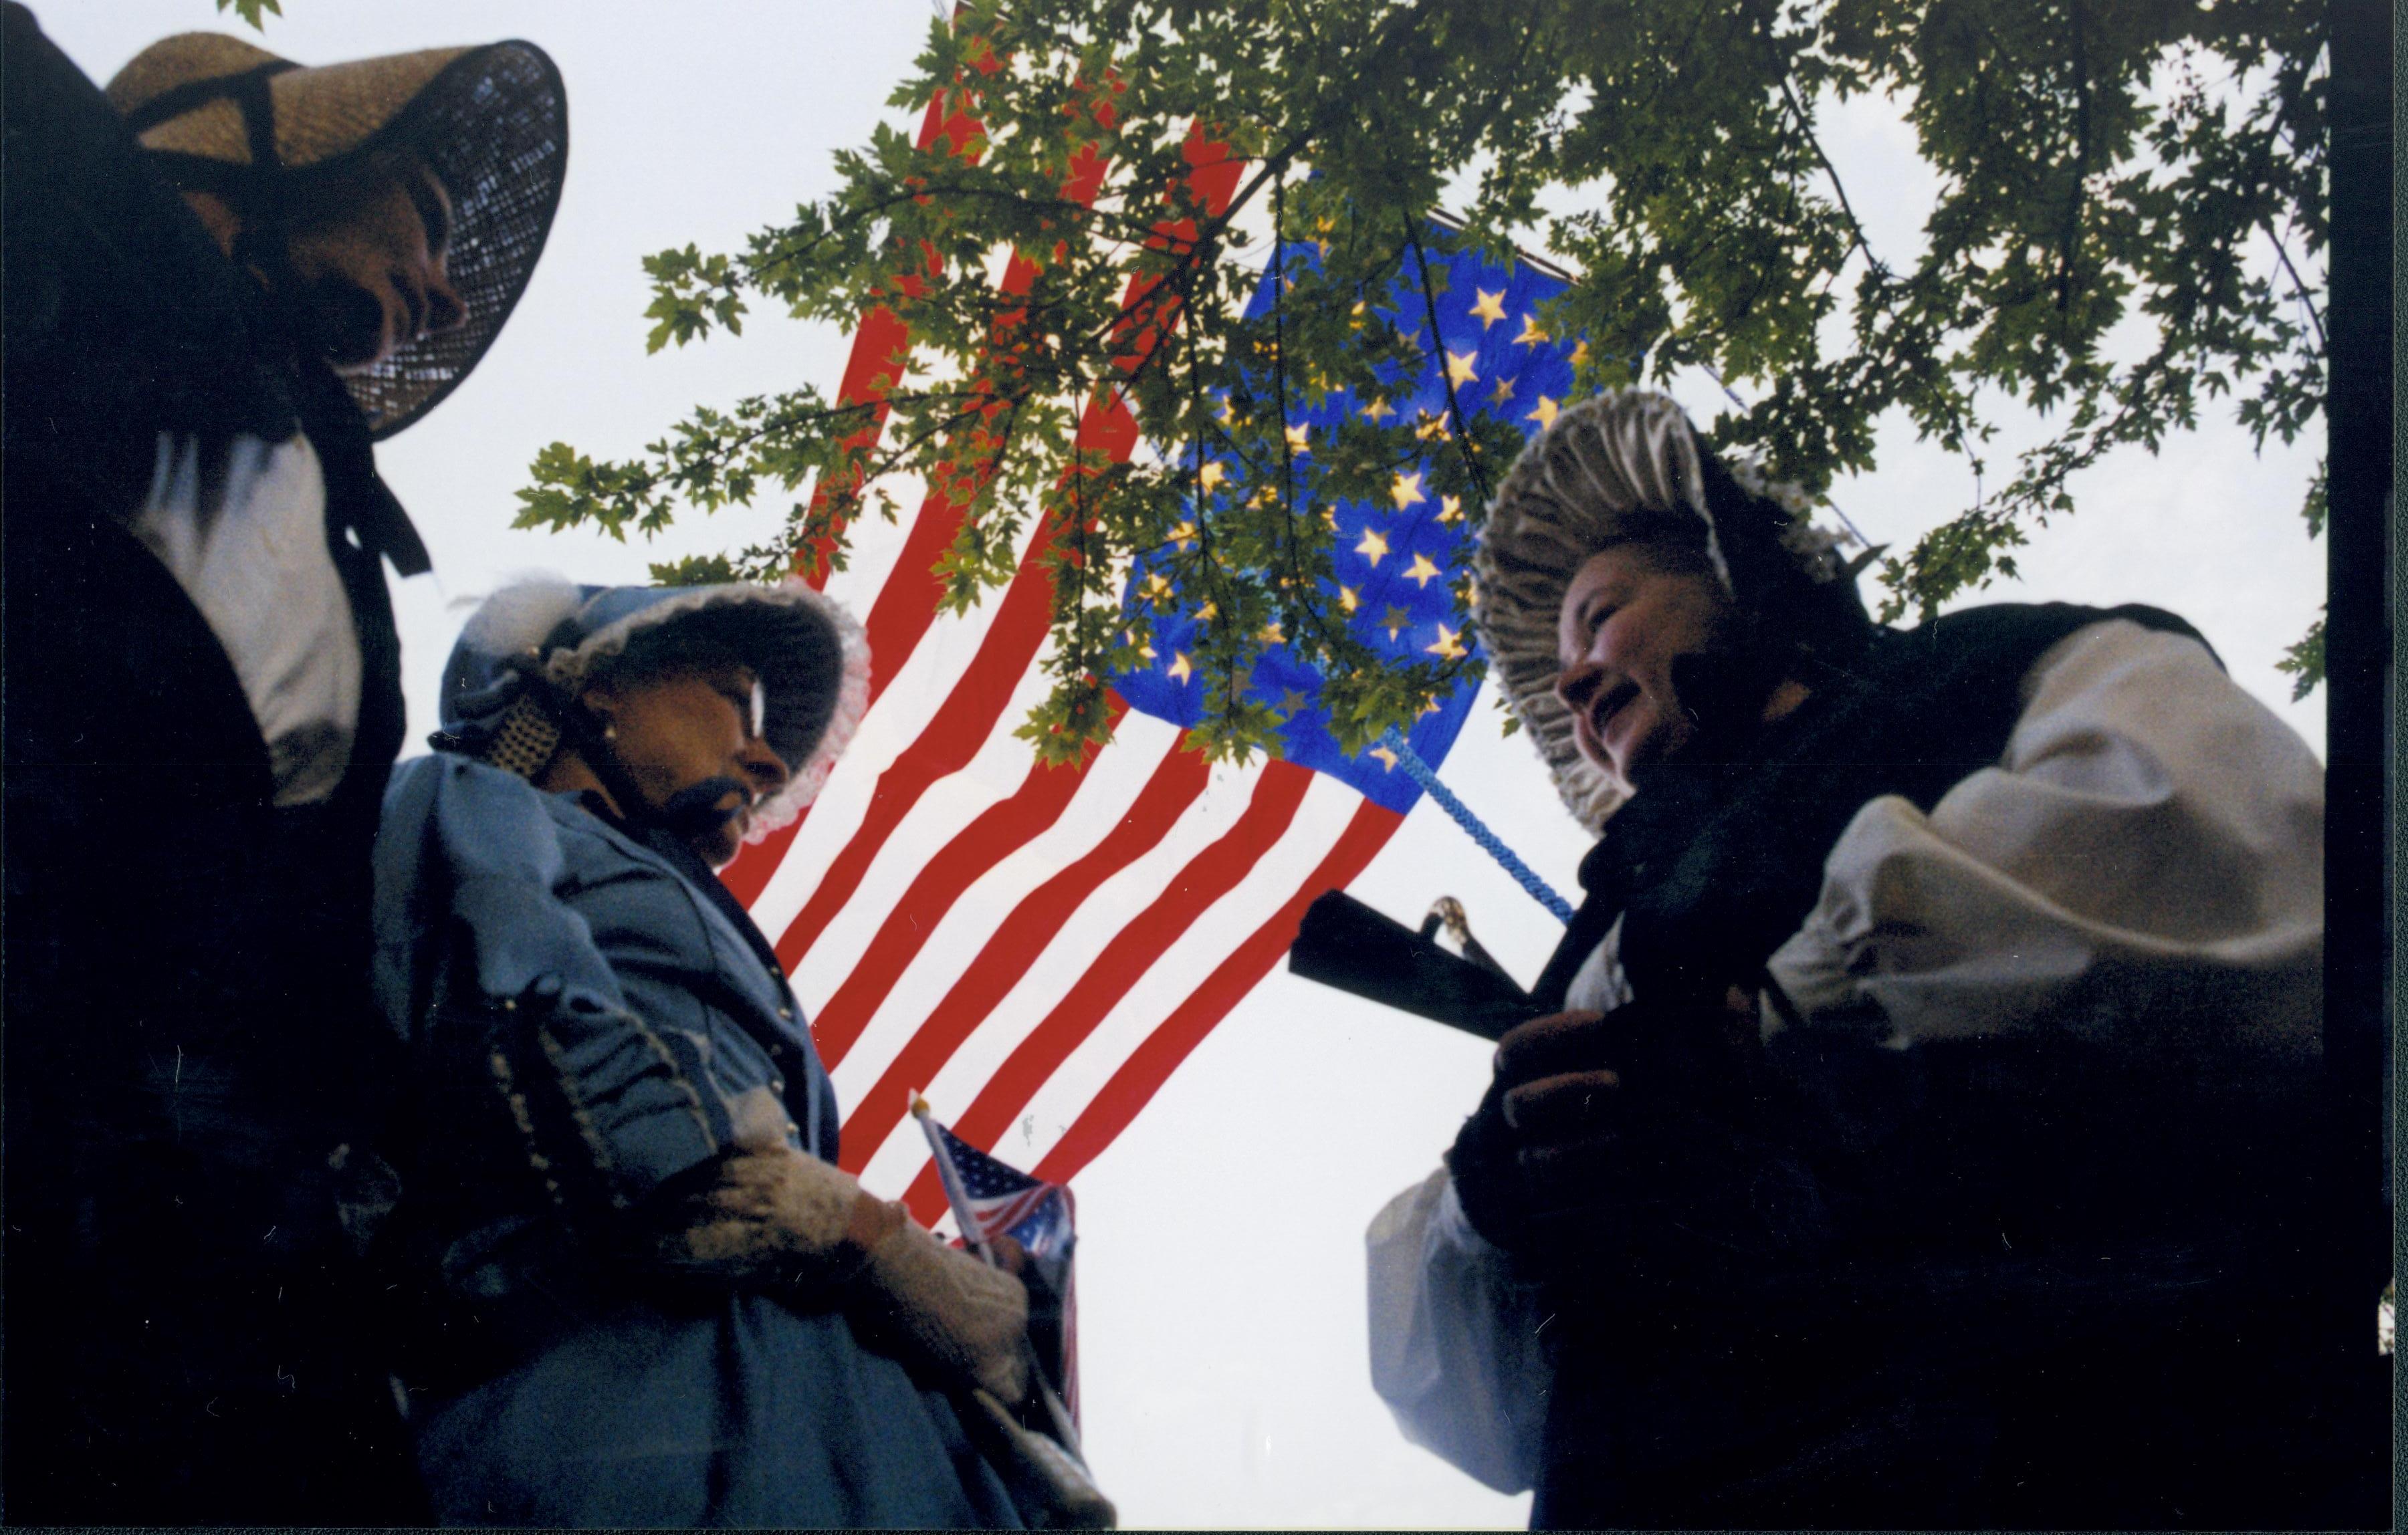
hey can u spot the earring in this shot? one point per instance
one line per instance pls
(610, 731)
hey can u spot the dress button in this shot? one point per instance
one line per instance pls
(787, 1014)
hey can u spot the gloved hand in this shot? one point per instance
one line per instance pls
(1641, 1134)
(771, 1217)
(802, 1228)
(950, 1308)
(1543, 1143)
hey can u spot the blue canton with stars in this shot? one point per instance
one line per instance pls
(1397, 559)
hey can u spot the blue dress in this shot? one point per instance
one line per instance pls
(590, 1022)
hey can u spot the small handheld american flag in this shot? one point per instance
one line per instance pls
(992, 1199)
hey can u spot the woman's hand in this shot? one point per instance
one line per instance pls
(770, 1217)
(950, 1309)
(1599, 1124)
(1561, 1101)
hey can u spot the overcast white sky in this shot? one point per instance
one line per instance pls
(1221, 1263)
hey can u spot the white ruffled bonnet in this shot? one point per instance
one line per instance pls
(1609, 469)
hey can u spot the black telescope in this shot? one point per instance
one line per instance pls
(1346, 944)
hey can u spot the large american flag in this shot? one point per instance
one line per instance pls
(1046, 944)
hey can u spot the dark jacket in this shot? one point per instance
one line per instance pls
(2017, 1282)
(192, 1060)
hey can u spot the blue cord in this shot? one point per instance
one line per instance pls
(1419, 771)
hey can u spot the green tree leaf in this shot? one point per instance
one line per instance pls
(252, 11)
(2127, 233)
(2305, 662)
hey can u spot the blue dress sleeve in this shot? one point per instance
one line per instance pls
(604, 1073)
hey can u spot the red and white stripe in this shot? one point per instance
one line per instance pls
(1038, 948)
(1035, 947)
(997, 1216)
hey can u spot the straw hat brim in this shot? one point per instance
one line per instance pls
(491, 121)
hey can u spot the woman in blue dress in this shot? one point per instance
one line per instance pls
(641, 1291)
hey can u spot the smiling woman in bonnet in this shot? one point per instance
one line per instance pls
(1918, 972)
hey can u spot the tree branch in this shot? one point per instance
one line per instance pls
(2299, 286)
(1464, 445)
(1838, 189)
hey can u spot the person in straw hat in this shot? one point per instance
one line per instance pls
(1925, 1075)
(642, 1291)
(227, 276)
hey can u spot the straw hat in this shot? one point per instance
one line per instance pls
(536, 643)
(491, 121)
(1617, 469)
